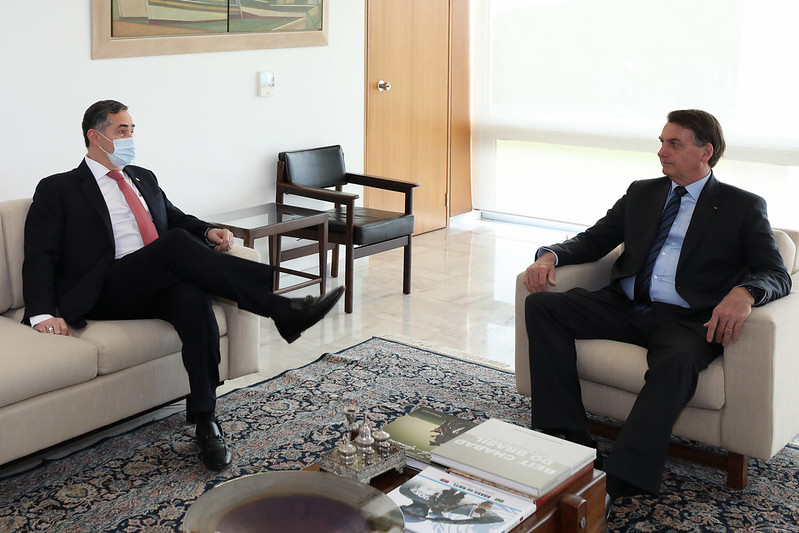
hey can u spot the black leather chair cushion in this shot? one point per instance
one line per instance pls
(371, 225)
(319, 167)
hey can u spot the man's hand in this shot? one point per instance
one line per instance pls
(540, 273)
(221, 238)
(53, 326)
(729, 316)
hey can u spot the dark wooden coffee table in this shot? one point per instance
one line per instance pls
(580, 508)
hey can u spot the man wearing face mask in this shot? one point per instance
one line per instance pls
(102, 241)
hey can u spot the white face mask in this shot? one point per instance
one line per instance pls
(124, 151)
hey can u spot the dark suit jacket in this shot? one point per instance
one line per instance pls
(729, 242)
(69, 242)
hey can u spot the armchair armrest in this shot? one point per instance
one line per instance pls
(380, 183)
(404, 187)
(591, 276)
(327, 195)
(243, 327)
(760, 381)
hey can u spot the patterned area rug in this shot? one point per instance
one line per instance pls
(146, 479)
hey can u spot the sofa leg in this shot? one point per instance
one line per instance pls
(734, 464)
(737, 470)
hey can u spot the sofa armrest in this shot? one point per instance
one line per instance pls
(243, 328)
(591, 276)
(761, 375)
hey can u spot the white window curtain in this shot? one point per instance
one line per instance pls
(571, 95)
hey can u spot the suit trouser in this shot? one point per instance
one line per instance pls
(677, 350)
(171, 279)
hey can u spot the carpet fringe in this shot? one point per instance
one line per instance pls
(445, 350)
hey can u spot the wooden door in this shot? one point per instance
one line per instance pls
(407, 45)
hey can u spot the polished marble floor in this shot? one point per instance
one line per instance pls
(462, 299)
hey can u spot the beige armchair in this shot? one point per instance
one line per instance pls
(746, 401)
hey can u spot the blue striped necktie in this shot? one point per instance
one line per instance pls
(643, 281)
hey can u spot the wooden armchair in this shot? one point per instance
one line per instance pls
(320, 174)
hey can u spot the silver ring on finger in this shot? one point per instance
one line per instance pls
(50, 330)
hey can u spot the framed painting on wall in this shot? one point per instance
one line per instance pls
(127, 28)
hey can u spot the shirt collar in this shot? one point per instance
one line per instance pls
(98, 170)
(694, 189)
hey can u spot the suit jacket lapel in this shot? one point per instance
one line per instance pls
(706, 207)
(148, 192)
(647, 211)
(94, 197)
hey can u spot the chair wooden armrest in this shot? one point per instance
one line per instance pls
(380, 183)
(326, 195)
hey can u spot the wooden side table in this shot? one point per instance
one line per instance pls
(273, 220)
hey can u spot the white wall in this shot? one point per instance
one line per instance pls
(199, 125)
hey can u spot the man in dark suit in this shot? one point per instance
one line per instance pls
(103, 241)
(683, 288)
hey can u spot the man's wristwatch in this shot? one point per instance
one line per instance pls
(756, 292)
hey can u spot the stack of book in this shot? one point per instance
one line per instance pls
(514, 457)
(512, 468)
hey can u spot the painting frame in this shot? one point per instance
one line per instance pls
(104, 46)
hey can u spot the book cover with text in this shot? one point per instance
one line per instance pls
(435, 501)
(512, 456)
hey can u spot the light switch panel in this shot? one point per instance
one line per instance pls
(266, 83)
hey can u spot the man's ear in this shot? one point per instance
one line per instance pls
(93, 136)
(707, 152)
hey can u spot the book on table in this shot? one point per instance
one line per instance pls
(539, 500)
(438, 501)
(423, 429)
(511, 456)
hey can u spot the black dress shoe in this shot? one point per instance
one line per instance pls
(214, 452)
(305, 312)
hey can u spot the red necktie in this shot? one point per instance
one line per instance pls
(145, 223)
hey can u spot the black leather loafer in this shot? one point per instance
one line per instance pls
(305, 312)
(214, 452)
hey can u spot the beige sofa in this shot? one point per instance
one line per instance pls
(747, 402)
(53, 388)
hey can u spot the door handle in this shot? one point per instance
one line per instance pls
(383, 86)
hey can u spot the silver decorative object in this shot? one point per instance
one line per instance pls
(353, 426)
(364, 442)
(382, 444)
(359, 469)
(365, 455)
(346, 451)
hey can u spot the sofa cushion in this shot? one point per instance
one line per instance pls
(35, 364)
(623, 366)
(125, 343)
